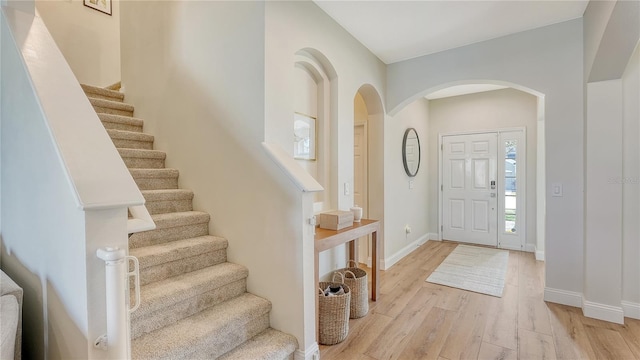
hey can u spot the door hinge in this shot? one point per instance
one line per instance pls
(441, 227)
(441, 187)
(441, 147)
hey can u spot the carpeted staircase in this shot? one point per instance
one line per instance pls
(194, 303)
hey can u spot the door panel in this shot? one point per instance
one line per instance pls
(481, 216)
(457, 214)
(457, 174)
(469, 188)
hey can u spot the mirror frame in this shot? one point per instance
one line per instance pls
(404, 152)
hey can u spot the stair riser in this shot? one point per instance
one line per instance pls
(168, 206)
(181, 266)
(234, 335)
(160, 236)
(171, 314)
(119, 126)
(104, 110)
(133, 144)
(103, 97)
(156, 183)
(143, 163)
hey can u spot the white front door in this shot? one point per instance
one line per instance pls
(469, 188)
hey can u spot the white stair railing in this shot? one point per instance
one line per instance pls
(140, 220)
(117, 340)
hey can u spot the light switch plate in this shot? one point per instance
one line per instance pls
(556, 189)
(347, 190)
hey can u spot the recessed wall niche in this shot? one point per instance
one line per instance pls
(312, 100)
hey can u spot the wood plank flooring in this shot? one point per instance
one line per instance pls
(414, 319)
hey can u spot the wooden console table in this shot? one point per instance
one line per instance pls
(328, 239)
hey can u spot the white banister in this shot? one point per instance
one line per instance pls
(299, 176)
(117, 341)
(140, 220)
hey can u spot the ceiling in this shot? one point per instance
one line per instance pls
(397, 30)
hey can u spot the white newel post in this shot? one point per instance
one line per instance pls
(118, 341)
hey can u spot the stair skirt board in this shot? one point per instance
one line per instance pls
(194, 304)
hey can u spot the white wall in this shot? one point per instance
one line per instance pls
(596, 17)
(195, 72)
(42, 224)
(293, 26)
(603, 201)
(89, 39)
(547, 61)
(631, 181)
(489, 110)
(65, 194)
(306, 102)
(406, 206)
(611, 119)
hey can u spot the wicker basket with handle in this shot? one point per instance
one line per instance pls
(357, 280)
(333, 313)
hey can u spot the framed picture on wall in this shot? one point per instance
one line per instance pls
(304, 137)
(100, 5)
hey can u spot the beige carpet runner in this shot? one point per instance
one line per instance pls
(194, 304)
(473, 268)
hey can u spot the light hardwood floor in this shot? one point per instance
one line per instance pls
(414, 319)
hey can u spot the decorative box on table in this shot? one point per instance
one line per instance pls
(336, 220)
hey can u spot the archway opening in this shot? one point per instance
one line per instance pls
(368, 188)
(480, 96)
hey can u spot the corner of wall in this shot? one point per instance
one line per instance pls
(631, 309)
(311, 353)
(563, 297)
(614, 314)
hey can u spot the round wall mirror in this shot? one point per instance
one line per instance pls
(411, 152)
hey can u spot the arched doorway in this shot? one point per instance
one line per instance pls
(536, 242)
(368, 169)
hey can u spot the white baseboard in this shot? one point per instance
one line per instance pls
(613, 314)
(312, 353)
(530, 247)
(539, 254)
(391, 260)
(631, 310)
(434, 236)
(569, 298)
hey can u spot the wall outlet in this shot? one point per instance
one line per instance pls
(407, 229)
(410, 184)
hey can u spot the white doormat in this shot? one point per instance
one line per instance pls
(473, 268)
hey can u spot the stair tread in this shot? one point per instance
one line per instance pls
(163, 293)
(120, 119)
(270, 344)
(179, 219)
(129, 135)
(102, 91)
(109, 104)
(142, 153)
(167, 194)
(174, 250)
(181, 339)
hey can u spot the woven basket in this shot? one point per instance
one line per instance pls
(356, 279)
(334, 314)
